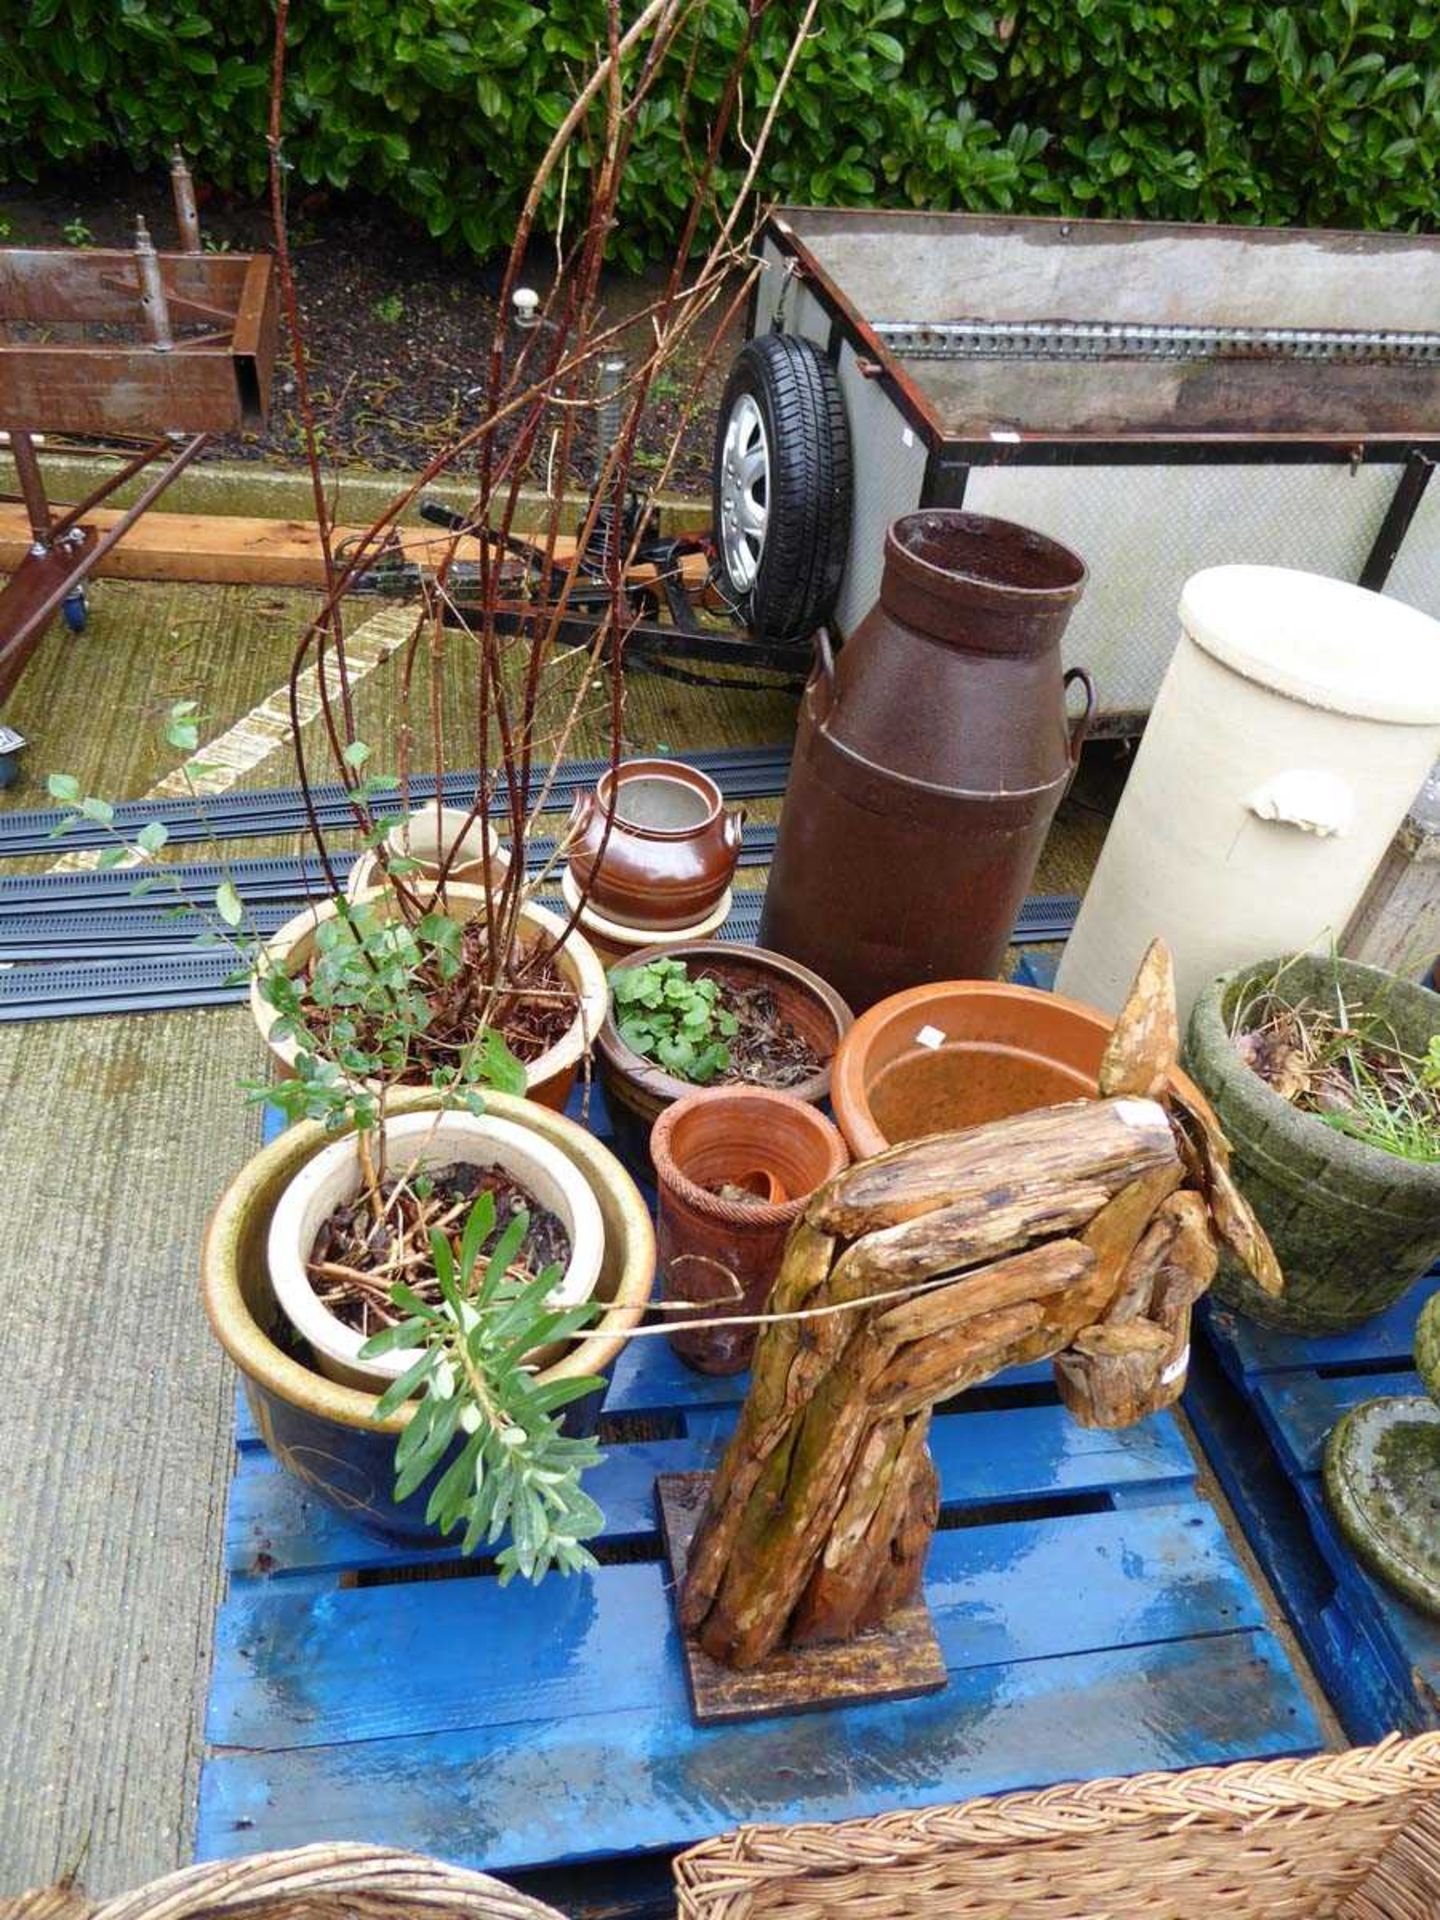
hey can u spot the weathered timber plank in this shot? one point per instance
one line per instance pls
(233, 549)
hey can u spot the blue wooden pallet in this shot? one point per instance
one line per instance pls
(1263, 1406)
(1093, 1615)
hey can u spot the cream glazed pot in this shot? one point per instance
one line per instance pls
(425, 1140)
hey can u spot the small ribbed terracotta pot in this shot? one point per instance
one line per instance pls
(722, 1252)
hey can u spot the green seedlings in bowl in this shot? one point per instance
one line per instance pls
(679, 1023)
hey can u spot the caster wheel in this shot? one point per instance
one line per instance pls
(12, 745)
(76, 609)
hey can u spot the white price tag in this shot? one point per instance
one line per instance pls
(929, 1037)
(1176, 1367)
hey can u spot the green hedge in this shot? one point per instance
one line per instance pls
(1324, 112)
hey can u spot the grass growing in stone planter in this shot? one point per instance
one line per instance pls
(1332, 1055)
(1320, 1071)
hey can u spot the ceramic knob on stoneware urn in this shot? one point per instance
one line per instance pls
(671, 850)
(930, 760)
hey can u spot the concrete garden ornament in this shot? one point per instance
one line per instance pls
(1382, 1477)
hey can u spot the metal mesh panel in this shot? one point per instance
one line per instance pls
(889, 471)
(1415, 577)
(1142, 531)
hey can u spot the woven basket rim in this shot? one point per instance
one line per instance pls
(338, 1870)
(1244, 1793)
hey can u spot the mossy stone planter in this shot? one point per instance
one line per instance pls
(1352, 1227)
(326, 1433)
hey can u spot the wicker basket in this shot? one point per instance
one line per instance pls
(1353, 1836)
(310, 1883)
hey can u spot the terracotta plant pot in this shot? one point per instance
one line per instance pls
(333, 1177)
(671, 851)
(419, 837)
(548, 1078)
(1353, 1227)
(327, 1433)
(960, 1053)
(637, 1091)
(725, 1252)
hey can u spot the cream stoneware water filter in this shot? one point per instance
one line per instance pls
(1297, 721)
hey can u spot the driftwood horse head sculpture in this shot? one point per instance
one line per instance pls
(1085, 1232)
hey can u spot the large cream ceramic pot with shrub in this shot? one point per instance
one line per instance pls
(1295, 725)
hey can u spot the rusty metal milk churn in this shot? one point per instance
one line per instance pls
(930, 761)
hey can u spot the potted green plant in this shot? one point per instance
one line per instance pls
(341, 1439)
(423, 1297)
(1325, 1074)
(711, 1013)
(429, 997)
(550, 1050)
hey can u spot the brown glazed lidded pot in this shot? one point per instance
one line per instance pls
(930, 761)
(722, 1250)
(672, 847)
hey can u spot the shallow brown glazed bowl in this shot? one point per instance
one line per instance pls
(326, 1433)
(959, 1053)
(637, 1091)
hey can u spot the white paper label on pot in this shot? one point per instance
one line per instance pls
(1143, 1116)
(929, 1037)
(1176, 1367)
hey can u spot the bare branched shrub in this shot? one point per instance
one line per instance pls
(528, 691)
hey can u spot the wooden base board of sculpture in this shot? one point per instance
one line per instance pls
(895, 1660)
(1083, 1232)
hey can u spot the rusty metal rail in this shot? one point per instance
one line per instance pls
(167, 347)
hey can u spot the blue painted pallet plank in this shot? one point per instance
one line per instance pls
(1299, 1412)
(1025, 1454)
(1299, 1409)
(276, 1526)
(650, 1377)
(1247, 1349)
(1406, 1641)
(605, 1784)
(1354, 1678)
(294, 1670)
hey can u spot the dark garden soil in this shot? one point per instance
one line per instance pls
(530, 1018)
(356, 1260)
(397, 333)
(766, 1051)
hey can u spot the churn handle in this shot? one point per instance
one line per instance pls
(1080, 725)
(824, 674)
